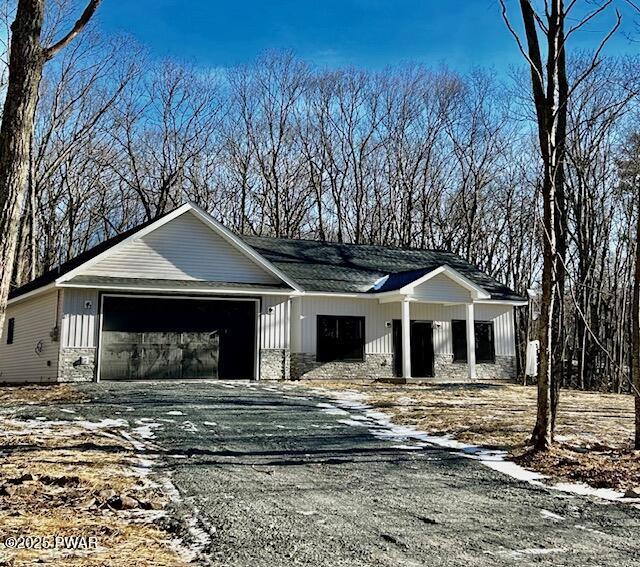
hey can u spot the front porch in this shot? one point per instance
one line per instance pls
(413, 340)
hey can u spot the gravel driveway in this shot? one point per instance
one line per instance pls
(280, 477)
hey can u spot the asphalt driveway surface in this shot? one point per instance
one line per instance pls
(279, 476)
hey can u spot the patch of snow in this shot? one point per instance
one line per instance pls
(103, 424)
(189, 426)
(65, 410)
(352, 422)
(551, 515)
(586, 490)
(591, 530)
(330, 409)
(538, 551)
(174, 412)
(209, 423)
(307, 512)
(496, 460)
(146, 427)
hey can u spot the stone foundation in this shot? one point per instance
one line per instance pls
(504, 368)
(305, 366)
(71, 367)
(274, 364)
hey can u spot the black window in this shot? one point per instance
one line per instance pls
(485, 347)
(340, 338)
(459, 336)
(11, 324)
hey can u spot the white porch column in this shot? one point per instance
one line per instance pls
(406, 339)
(295, 325)
(471, 341)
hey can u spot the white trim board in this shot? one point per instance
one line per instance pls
(181, 290)
(477, 292)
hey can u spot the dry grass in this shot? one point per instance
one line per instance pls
(61, 479)
(21, 395)
(594, 430)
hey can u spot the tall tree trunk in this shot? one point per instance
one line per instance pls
(635, 339)
(27, 57)
(25, 72)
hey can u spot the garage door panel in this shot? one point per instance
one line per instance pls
(162, 338)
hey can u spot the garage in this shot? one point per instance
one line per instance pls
(153, 337)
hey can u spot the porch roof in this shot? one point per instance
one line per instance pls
(357, 268)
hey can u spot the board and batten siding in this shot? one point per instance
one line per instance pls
(79, 318)
(379, 338)
(274, 326)
(79, 321)
(183, 249)
(35, 318)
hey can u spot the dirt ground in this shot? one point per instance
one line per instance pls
(63, 477)
(594, 431)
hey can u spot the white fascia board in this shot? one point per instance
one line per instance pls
(354, 295)
(31, 293)
(215, 291)
(390, 297)
(238, 243)
(138, 234)
(477, 292)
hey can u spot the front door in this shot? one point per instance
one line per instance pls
(421, 348)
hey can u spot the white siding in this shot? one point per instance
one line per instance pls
(79, 323)
(503, 327)
(441, 288)
(78, 327)
(34, 320)
(183, 249)
(379, 339)
(274, 326)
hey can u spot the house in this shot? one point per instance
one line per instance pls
(184, 297)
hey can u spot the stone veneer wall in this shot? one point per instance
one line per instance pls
(503, 369)
(70, 369)
(274, 364)
(305, 366)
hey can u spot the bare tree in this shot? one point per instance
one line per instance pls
(551, 93)
(26, 63)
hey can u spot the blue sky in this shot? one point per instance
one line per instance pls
(331, 33)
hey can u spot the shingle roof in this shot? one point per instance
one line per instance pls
(322, 266)
(347, 268)
(53, 274)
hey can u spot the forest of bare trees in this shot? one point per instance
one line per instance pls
(408, 156)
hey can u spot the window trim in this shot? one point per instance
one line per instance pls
(491, 360)
(11, 330)
(361, 318)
